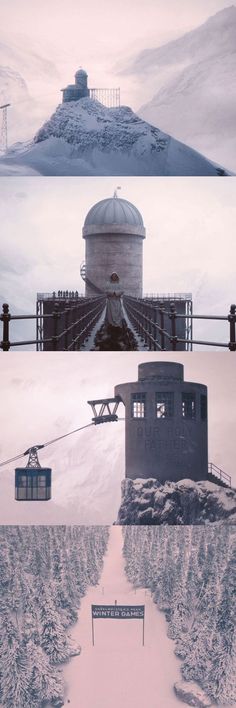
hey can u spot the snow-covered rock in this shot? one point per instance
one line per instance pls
(147, 501)
(192, 81)
(190, 693)
(86, 138)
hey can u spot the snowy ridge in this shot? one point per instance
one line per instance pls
(215, 36)
(191, 574)
(184, 502)
(44, 572)
(86, 138)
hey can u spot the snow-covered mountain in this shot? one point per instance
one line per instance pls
(147, 501)
(18, 54)
(192, 82)
(24, 74)
(86, 138)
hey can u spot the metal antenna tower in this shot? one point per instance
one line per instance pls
(4, 139)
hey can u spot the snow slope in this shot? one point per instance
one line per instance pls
(184, 502)
(118, 670)
(192, 82)
(86, 138)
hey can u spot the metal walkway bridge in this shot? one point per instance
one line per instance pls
(67, 321)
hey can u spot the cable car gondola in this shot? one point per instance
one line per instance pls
(33, 482)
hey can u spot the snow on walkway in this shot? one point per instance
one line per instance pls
(118, 672)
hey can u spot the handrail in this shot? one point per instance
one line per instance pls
(218, 472)
(70, 326)
(157, 324)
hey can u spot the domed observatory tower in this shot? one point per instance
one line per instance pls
(165, 424)
(78, 90)
(114, 232)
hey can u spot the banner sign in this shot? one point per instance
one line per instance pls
(118, 611)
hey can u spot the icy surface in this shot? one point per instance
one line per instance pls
(184, 502)
(86, 138)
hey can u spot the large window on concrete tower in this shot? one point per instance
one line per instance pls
(164, 404)
(138, 405)
(189, 405)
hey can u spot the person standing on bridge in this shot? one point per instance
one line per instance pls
(114, 317)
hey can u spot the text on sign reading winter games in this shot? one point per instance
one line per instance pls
(118, 611)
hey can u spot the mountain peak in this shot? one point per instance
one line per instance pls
(87, 138)
(223, 16)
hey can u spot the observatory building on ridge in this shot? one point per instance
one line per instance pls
(78, 90)
(109, 97)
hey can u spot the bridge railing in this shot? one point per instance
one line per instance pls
(69, 327)
(157, 325)
(217, 472)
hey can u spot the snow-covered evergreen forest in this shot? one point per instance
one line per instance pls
(191, 574)
(44, 572)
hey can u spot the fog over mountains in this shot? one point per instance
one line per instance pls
(192, 81)
(188, 85)
(26, 82)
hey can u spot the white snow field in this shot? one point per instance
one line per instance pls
(86, 138)
(118, 671)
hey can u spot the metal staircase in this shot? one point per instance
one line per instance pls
(88, 281)
(218, 476)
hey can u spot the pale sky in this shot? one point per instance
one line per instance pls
(189, 247)
(46, 396)
(95, 28)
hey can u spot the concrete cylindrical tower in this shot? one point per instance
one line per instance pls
(114, 232)
(165, 424)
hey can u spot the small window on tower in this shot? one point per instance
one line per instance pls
(188, 405)
(164, 404)
(203, 407)
(138, 405)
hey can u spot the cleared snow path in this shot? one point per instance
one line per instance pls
(118, 672)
